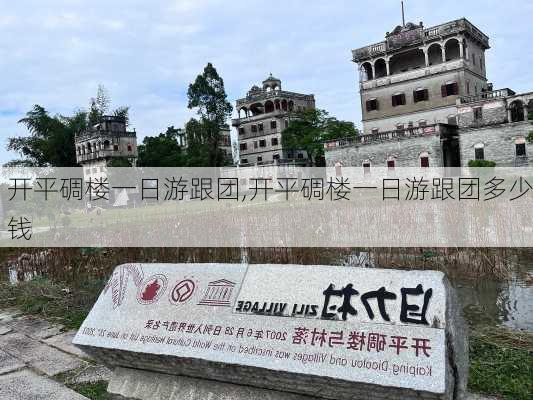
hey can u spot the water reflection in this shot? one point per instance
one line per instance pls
(486, 302)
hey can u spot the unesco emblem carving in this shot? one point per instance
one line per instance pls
(182, 292)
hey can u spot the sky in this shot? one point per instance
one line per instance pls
(55, 53)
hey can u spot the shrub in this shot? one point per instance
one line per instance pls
(530, 137)
(481, 163)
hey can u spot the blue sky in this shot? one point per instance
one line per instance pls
(55, 53)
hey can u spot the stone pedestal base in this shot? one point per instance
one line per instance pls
(133, 384)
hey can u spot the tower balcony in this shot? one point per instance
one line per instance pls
(415, 73)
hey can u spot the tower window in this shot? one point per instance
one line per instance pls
(424, 160)
(243, 146)
(420, 95)
(372, 105)
(450, 89)
(479, 151)
(260, 127)
(273, 125)
(242, 131)
(398, 99)
(262, 143)
(254, 128)
(274, 141)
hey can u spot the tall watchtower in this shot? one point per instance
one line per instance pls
(103, 142)
(262, 116)
(415, 76)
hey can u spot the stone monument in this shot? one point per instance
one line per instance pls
(224, 331)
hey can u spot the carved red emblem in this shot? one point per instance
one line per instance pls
(151, 289)
(181, 292)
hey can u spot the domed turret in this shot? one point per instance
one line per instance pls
(272, 83)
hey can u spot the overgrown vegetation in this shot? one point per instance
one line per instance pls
(481, 163)
(65, 304)
(501, 363)
(530, 137)
(93, 391)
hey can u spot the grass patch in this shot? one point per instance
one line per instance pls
(67, 305)
(501, 363)
(93, 391)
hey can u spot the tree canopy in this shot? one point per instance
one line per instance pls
(309, 129)
(208, 96)
(51, 139)
(163, 150)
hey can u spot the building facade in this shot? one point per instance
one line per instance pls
(103, 142)
(427, 103)
(416, 75)
(262, 115)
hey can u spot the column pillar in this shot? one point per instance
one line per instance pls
(526, 111)
(461, 49)
(426, 55)
(373, 71)
(443, 53)
(387, 63)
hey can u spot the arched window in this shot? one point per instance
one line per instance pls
(517, 111)
(366, 72)
(380, 66)
(520, 145)
(130, 148)
(435, 54)
(479, 151)
(269, 107)
(366, 166)
(391, 163)
(424, 159)
(451, 50)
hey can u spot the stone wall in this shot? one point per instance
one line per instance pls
(499, 144)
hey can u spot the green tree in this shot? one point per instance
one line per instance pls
(162, 150)
(51, 139)
(208, 96)
(309, 129)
